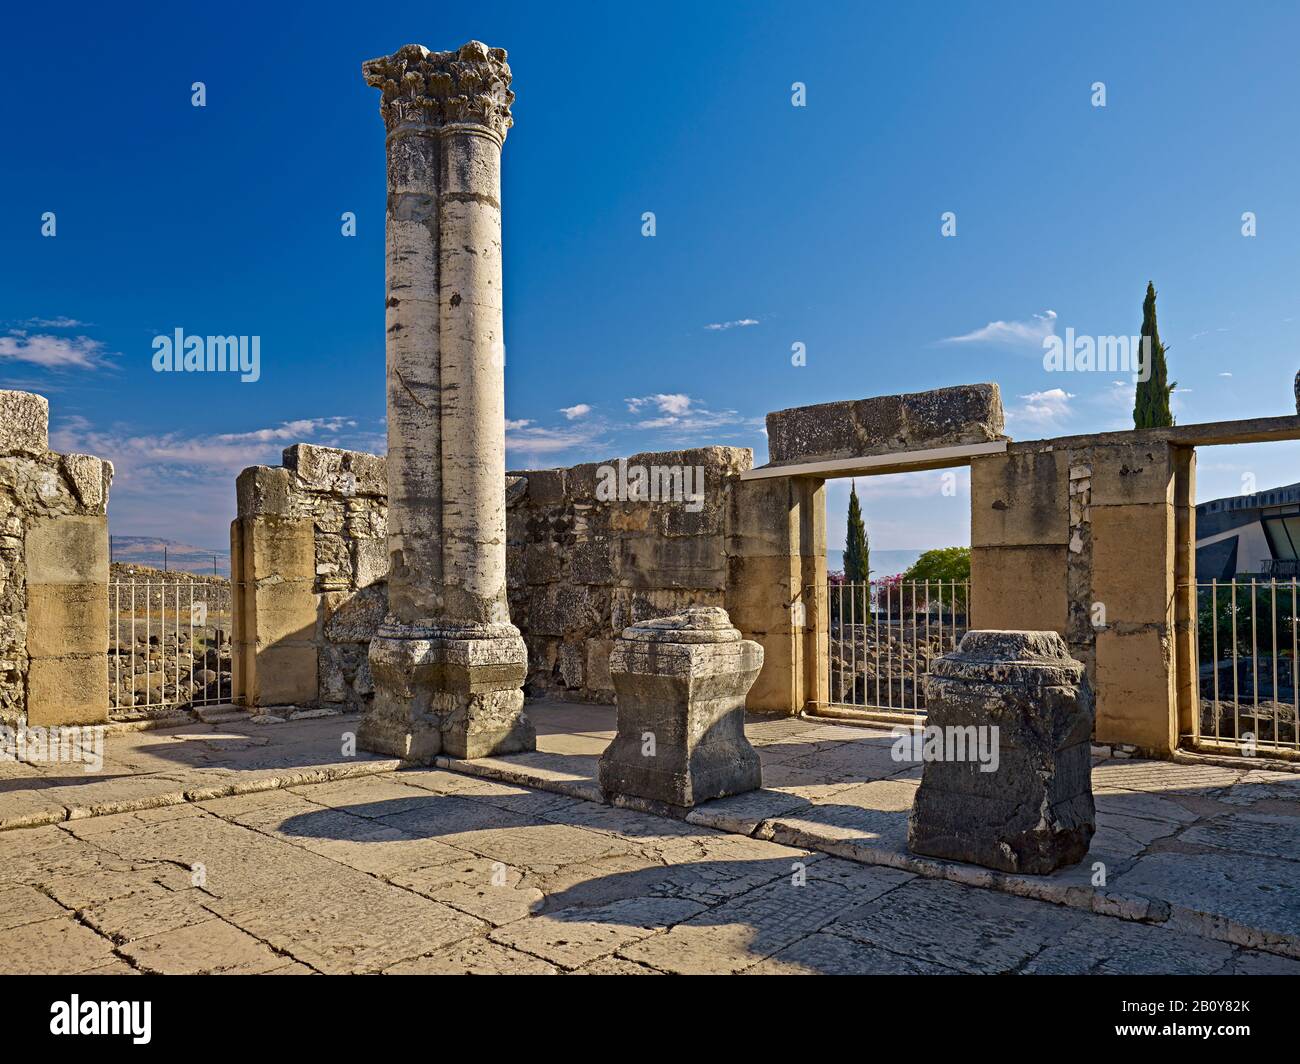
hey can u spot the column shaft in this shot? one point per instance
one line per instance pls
(473, 385)
(413, 377)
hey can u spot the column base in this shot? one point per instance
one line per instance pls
(441, 692)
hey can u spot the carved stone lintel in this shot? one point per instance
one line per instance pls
(432, 89)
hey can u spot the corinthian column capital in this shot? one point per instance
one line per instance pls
(432, 89)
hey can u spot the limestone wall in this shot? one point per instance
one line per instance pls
(591, 549)
(53, 573)
(308, 557)
(582, 566)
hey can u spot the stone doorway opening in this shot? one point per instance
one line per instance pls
(887, 620)
(1241, 581)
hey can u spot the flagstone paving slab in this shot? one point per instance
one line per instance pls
(240, 823)
(825, 953)
(60, 946)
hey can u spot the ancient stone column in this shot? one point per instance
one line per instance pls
(448, 665)
(1007, 775)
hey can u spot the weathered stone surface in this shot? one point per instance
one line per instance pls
(263, 490)
(52, 947)
(57, 632)
(24, 423)
(385, 873)
(681, 683)
(972, 931)
(577, 936)
(944, 417)
(332, 470)
(444, 695)
(1031, 703)
(87, 475)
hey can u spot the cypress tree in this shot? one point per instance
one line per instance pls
(1151, 404)
(856, 569)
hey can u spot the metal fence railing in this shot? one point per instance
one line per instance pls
(883, 636)
(1246, 652)
(169, 643)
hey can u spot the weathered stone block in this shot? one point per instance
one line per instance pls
(655, 562)
(599, 677)
(1132, 562)
(1135, 689)
(286, 611)
(87, 476)
(262, 490)
(542, 563)
(356, 618)
(780, 686)
(447, 695)
(369, 561)
(944, 417)
(545, 486)
(591, 563)
(1129, 473)
(1020, 499)
(680, 687)
(760, 591)
(1011, 785)
(286, 674)
(72, 689)
(67, 619)
(67, 550)
(281, 548)
(24, 423)
(331, 469)
(1019, 585)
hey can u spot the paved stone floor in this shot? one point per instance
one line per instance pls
(434, 871)
(431, 870)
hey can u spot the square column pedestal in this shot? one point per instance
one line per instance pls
(1021, 698)
(438, 691)
(680, 684)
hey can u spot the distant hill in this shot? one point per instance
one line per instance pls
(168, 554)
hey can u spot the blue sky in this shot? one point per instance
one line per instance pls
(817, 225)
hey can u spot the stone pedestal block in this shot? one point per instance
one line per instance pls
(1027, 808)
(680, 684)
(447, 692)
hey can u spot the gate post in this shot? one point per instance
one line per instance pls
(776, 586)
(1186, 664)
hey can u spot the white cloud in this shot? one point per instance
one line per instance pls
(54, 352)
(1225, 374)
(60, 322)
(290, 430)
(1043, 409)
(674, 404)
(534, 440)
(740, 323)
(576, 411)
(523, 423)
(182, 486)
(1014, 333)
(681, 415)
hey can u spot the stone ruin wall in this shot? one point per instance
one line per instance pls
(53, 573)
(581, 568)
(309, 558)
